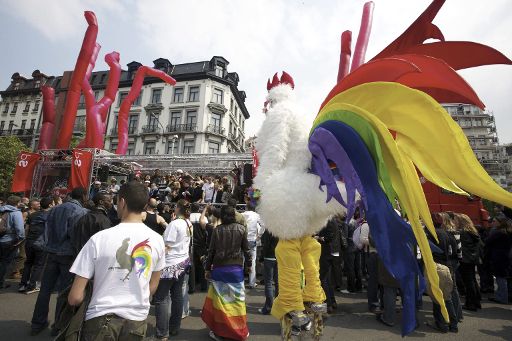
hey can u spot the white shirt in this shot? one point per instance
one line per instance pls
(121, 260)
(254, 229)
(177, 240)
(208, 189)
(194, 218)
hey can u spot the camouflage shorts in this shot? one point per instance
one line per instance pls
(111, 327)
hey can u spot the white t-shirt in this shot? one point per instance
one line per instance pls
(254, 229)
(208, 189)
(177, 240)
(194, 218)
(121, 260)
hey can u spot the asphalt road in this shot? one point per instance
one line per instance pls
(352, 322)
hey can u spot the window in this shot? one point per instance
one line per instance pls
(191, 118)
(122, 96)
(16, 86)
(80, 123)
(11, 125)
(231, 104)
(81, 102)
(27, 107)
(36, 106)
(113, 147)
(218, 95)
(156, 96)
(32, 123)
(213, 147)
(175, 119)
(188, 146)
(216, 120)
(193, 94)
(23, 124)
(172, 146)
(137, 100)
(131, 148)
(133, 121)
(219, 71)
(2, 125)
(14, 108)
(6, 108)
(178, 95)
(152, 121)
(96, 95)
(37, 84)
(149, 148)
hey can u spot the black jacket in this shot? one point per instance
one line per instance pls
(330, 238)
(471, 248)
(269, 243)
(199, 240)
(228, 246)
(443, 244)
(94, 221)
(497, 246)
(36, 222)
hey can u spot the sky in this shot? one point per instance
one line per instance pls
(258, 38)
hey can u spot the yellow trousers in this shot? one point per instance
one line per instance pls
(293, 256)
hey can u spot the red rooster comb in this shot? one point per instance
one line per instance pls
(285, 79)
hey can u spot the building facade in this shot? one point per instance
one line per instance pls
(480, 128)
(21, 105)
(203, 113)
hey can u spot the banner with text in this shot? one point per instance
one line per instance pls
(24, 172)
(80, 169)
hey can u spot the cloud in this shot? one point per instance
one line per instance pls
(262, 37)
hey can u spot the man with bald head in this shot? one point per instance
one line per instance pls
(152, 219)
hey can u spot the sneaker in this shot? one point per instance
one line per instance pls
(263, 311)
(214, 337)
(318, 307)
(344, 291)
(32, 290)
(252, 286)
(300, 320)
(22, 288)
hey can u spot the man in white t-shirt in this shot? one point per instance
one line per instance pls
(125, 263)
(254, 233)
(208, 189)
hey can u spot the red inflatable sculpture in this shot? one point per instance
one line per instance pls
(48, 125)
(122, 121)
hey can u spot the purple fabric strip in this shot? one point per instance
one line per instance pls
(323, 147)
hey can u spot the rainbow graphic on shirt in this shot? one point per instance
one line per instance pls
(141, 258)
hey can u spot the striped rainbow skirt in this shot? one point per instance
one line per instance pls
(224, 308)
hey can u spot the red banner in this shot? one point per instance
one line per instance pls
(24, 172)
(255, 162)
(80, 169)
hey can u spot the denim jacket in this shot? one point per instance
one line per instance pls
(16, 227)
(60, 221)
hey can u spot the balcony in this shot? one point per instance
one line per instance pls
(215, 130)
(181, 128)
(17, 132)
(131, 131)
(151, 129)
(154, 106)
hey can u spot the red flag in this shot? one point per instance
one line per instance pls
(80, 169)
(24, 171)
(255, 162)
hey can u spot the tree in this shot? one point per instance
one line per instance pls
(10, 147)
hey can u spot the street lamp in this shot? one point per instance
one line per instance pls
(173, 139)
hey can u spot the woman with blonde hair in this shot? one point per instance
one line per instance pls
(471, 250)
(454, 256)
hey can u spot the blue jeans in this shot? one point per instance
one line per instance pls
(270, 277)
(438, 317)
(186, 303)
(7, 255)
(168, 290)
(252, 275)
(55, 272)
(501, 294)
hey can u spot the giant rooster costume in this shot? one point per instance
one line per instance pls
(380, 124)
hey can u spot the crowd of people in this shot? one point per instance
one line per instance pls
(157, 239)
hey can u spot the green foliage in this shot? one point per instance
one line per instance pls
(10, 147)
(75, 140)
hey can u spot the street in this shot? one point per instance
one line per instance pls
(351, 322)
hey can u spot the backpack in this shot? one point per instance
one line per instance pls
(356, 237)
(4, 227)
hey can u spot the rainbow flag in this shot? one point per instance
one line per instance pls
(224, 308)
